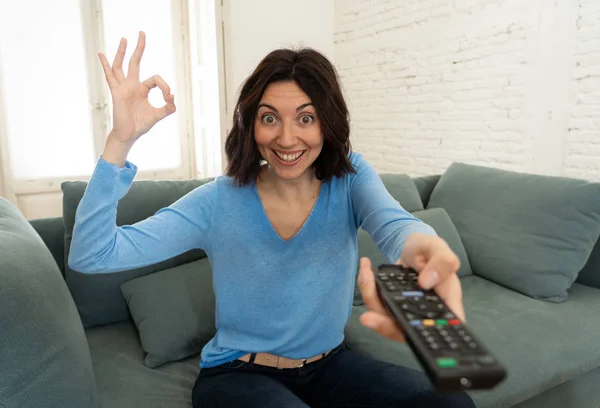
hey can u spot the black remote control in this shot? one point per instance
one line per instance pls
(452, 357)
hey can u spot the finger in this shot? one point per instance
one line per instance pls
(450, 290)
(134, 63)
(108, 74)
(155, 81)
(442, 264)
(368, 288)
(167, 109)
(383, 325)
(117, 66)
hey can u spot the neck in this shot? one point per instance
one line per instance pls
(302, 188)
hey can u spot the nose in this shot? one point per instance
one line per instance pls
(286, 138)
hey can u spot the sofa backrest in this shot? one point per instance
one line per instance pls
(42, 338)
(589, 274)
(52, 232)
(145, 198)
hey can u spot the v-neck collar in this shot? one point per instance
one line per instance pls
(265, 216)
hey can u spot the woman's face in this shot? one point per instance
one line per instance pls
(287, 130)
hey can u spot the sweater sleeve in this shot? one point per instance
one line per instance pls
(100, 246)
(379, 214)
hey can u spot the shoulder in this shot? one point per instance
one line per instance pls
(358, 161)
(361, 167)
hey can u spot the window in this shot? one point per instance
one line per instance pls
(56, 106)
(46, 98)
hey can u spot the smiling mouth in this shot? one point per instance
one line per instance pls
(289, 157)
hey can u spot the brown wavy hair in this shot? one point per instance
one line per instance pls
(317, 77)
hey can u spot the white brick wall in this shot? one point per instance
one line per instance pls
(583, 131)
(489, 82)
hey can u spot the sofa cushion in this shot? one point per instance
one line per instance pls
(123, 379)
(439, 220)
(52, 232)
(402, 188)
(425, 185)
(542, 344)
(174, 311)
(528, 232)
(45, 357)
(98, 296)
(590, 274)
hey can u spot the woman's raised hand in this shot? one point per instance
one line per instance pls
(133, 115)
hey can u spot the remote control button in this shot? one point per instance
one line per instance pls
(424, 332)
(485, 360)
(428, 322)
(412, 293)
(461, 332)
(441, 322)
(398, 298)
(407, 307)
(415, 323)
(454, 322)
(468, 359)
(430, 340)
(391, 287)
(446, 362)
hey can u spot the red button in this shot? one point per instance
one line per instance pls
(454, 322)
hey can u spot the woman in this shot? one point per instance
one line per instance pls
(280, 230)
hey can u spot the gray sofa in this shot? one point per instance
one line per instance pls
(530, 272)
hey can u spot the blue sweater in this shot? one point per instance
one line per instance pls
(290, 298)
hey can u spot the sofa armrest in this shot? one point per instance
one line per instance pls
(52, 232)
(45, 355)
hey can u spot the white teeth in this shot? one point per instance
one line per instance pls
(289, 157)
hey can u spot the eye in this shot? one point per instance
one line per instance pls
(268, 119)
(307, 119)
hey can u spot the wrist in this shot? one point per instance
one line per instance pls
(116, 150)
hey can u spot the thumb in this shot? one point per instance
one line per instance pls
(368, 288)
(440, 266)
(166, 109)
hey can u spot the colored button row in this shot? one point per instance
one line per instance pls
(446, 362)
(449, 362)
(431, 322)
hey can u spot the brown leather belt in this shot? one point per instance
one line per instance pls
(271, 360)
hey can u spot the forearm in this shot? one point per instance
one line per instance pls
(95, 231)
(391, 236)
(100, 246)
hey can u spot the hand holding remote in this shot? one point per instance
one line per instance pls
(406, 305)
(437, 265)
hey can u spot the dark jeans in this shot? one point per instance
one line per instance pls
(342, 379)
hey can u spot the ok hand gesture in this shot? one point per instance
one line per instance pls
(133, 115)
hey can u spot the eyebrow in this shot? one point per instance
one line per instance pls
(299, 108)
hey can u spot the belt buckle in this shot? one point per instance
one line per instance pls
(303, 363)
